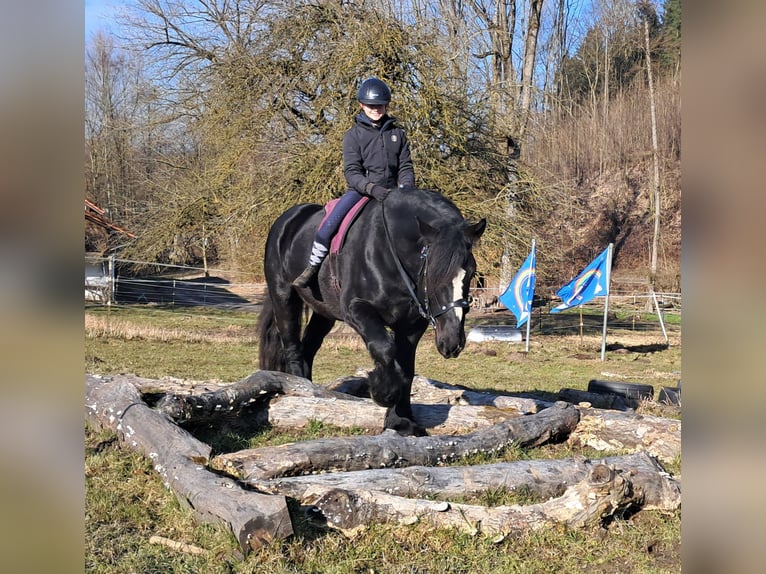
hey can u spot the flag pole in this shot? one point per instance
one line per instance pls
(529, 318)
(529, 321)
(606, 300)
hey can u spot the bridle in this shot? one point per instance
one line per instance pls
(424, 306)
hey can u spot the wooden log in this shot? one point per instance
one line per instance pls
(603, 493)
(430, 391)
(599, 428)
(542, 478)
(607, 430)
(169, 385)
(286, 401)
(231, 399)
(297, 412)
(255, 519)
(391, 450)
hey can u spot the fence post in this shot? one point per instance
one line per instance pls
(112, 280)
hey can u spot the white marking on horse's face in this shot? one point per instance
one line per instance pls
(457, 292)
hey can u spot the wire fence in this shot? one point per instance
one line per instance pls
(633, 307)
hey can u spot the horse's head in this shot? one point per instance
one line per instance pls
(448, 268)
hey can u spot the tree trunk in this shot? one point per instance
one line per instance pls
(302, 402)
(614, 430)
(542, 478)
(260, 386)
(601, 494)
(655, 158)
(528, 68)
(430, 391)
(390, 449)
(255, 519)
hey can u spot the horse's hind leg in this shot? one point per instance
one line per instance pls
(287, 309)
(315, 332)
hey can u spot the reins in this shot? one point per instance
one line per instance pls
(424, 307)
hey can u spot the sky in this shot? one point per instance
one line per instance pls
(99, 14)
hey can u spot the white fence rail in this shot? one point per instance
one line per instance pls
(189, 286)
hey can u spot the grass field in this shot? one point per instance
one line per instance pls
(126, 503)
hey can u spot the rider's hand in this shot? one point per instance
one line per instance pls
(379, 192)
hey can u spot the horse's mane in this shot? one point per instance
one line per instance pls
(447, 254)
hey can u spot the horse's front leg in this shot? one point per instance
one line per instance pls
(399, 416)
(389, 384)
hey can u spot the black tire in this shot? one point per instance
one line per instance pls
(635, 391)
(670, 396)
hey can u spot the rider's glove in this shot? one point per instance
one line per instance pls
(379, 192)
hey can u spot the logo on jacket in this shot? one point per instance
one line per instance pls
(393, 137)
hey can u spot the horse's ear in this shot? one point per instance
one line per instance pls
(428, 232)
(473, 231)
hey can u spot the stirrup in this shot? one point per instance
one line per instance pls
(308, 274)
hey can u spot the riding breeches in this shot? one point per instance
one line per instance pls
(330, 225)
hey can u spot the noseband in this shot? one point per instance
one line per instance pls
(424, 306)
(441, 309)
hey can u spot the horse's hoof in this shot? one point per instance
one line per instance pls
(406, 427)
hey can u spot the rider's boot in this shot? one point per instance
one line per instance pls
(308, 274)
(318, 253)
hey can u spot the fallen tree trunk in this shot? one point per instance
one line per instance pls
(601, 494)
(391, 450)
(255, 519)
(297, 412)
(286, 401)
(169, 385)
(541, 478)
(430, 391)
(602, 429)
(613, 430)
(260, 386)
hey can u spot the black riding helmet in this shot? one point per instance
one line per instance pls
(374, 92)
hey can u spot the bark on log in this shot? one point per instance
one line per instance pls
(430, 391)
(299, 401)
(391, 450)
(254, 518)
(599, 428)
(613, 430)
(542, 478)
(601, 494)
(260, 386)
(170, 385)
(296, 412)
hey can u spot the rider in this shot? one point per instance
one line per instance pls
(376, 158)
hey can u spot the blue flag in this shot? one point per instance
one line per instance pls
(590, 283)
(520, 292)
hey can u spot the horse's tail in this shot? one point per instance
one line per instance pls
(271, 352)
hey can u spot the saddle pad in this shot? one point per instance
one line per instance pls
(337, 241)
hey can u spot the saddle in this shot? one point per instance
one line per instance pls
(337, 241)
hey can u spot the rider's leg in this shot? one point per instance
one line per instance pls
(329, 227)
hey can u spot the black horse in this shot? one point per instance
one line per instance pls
(405, 263)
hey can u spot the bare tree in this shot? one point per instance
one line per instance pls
(646, 10)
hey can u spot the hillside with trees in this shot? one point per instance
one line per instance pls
(555, 120)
